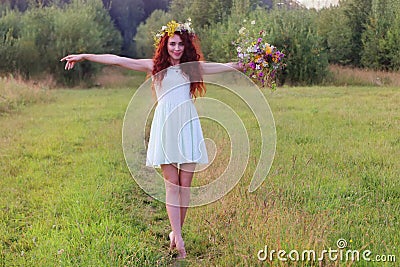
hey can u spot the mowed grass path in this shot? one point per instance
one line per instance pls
(67, 197)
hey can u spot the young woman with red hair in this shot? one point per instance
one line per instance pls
(176, 142)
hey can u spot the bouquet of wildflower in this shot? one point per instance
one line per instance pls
(261, 60)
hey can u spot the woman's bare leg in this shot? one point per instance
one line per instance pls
(185, 180)
(171, 175)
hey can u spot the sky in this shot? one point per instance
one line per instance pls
(318, 3)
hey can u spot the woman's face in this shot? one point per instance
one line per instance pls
(175, 48)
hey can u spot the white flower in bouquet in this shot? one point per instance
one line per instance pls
(242, 30)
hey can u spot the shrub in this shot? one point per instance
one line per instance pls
(34, 41)
(10, 28)
(144, 35)
(293, 31)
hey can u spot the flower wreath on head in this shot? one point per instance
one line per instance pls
(173, 27)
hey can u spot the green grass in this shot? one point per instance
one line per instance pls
(67, 197)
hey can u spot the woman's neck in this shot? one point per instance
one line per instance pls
(174, 62)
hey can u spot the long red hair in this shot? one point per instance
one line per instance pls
(191, 53)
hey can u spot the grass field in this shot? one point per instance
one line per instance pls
(68, 199)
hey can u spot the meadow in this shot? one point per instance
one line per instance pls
(68, 198)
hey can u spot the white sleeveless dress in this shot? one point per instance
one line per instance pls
(176, 135)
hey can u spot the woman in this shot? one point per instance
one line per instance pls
(176, 139)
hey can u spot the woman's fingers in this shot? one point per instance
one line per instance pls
(70, 61)
(69, 65)
(66, 58)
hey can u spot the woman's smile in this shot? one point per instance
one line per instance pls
(177, 54)
(175, 48)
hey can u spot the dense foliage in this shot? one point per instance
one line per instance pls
(363, 33)
(34, 41)
(359, 33)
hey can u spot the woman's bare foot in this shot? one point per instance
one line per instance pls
(180, 246)
(172, 244)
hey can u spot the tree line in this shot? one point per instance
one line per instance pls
(359, 33)
(125, 14)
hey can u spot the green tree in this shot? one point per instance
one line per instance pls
(393, 39)
(357, 13)
(377, 52)
(145, 32)
(127, 15)
(34, 41)
(35, 45)
(10, 31)
(217, 38)
(201, 12)
(83, 27)
(296, 32)
(293, 31)
(333, 27)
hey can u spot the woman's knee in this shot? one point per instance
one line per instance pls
(170, 173)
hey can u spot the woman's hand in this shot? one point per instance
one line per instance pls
(72, 59)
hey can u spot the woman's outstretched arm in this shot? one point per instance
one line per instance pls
(213, 68)
(145, 65)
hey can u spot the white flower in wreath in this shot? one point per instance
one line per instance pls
(187, 26)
